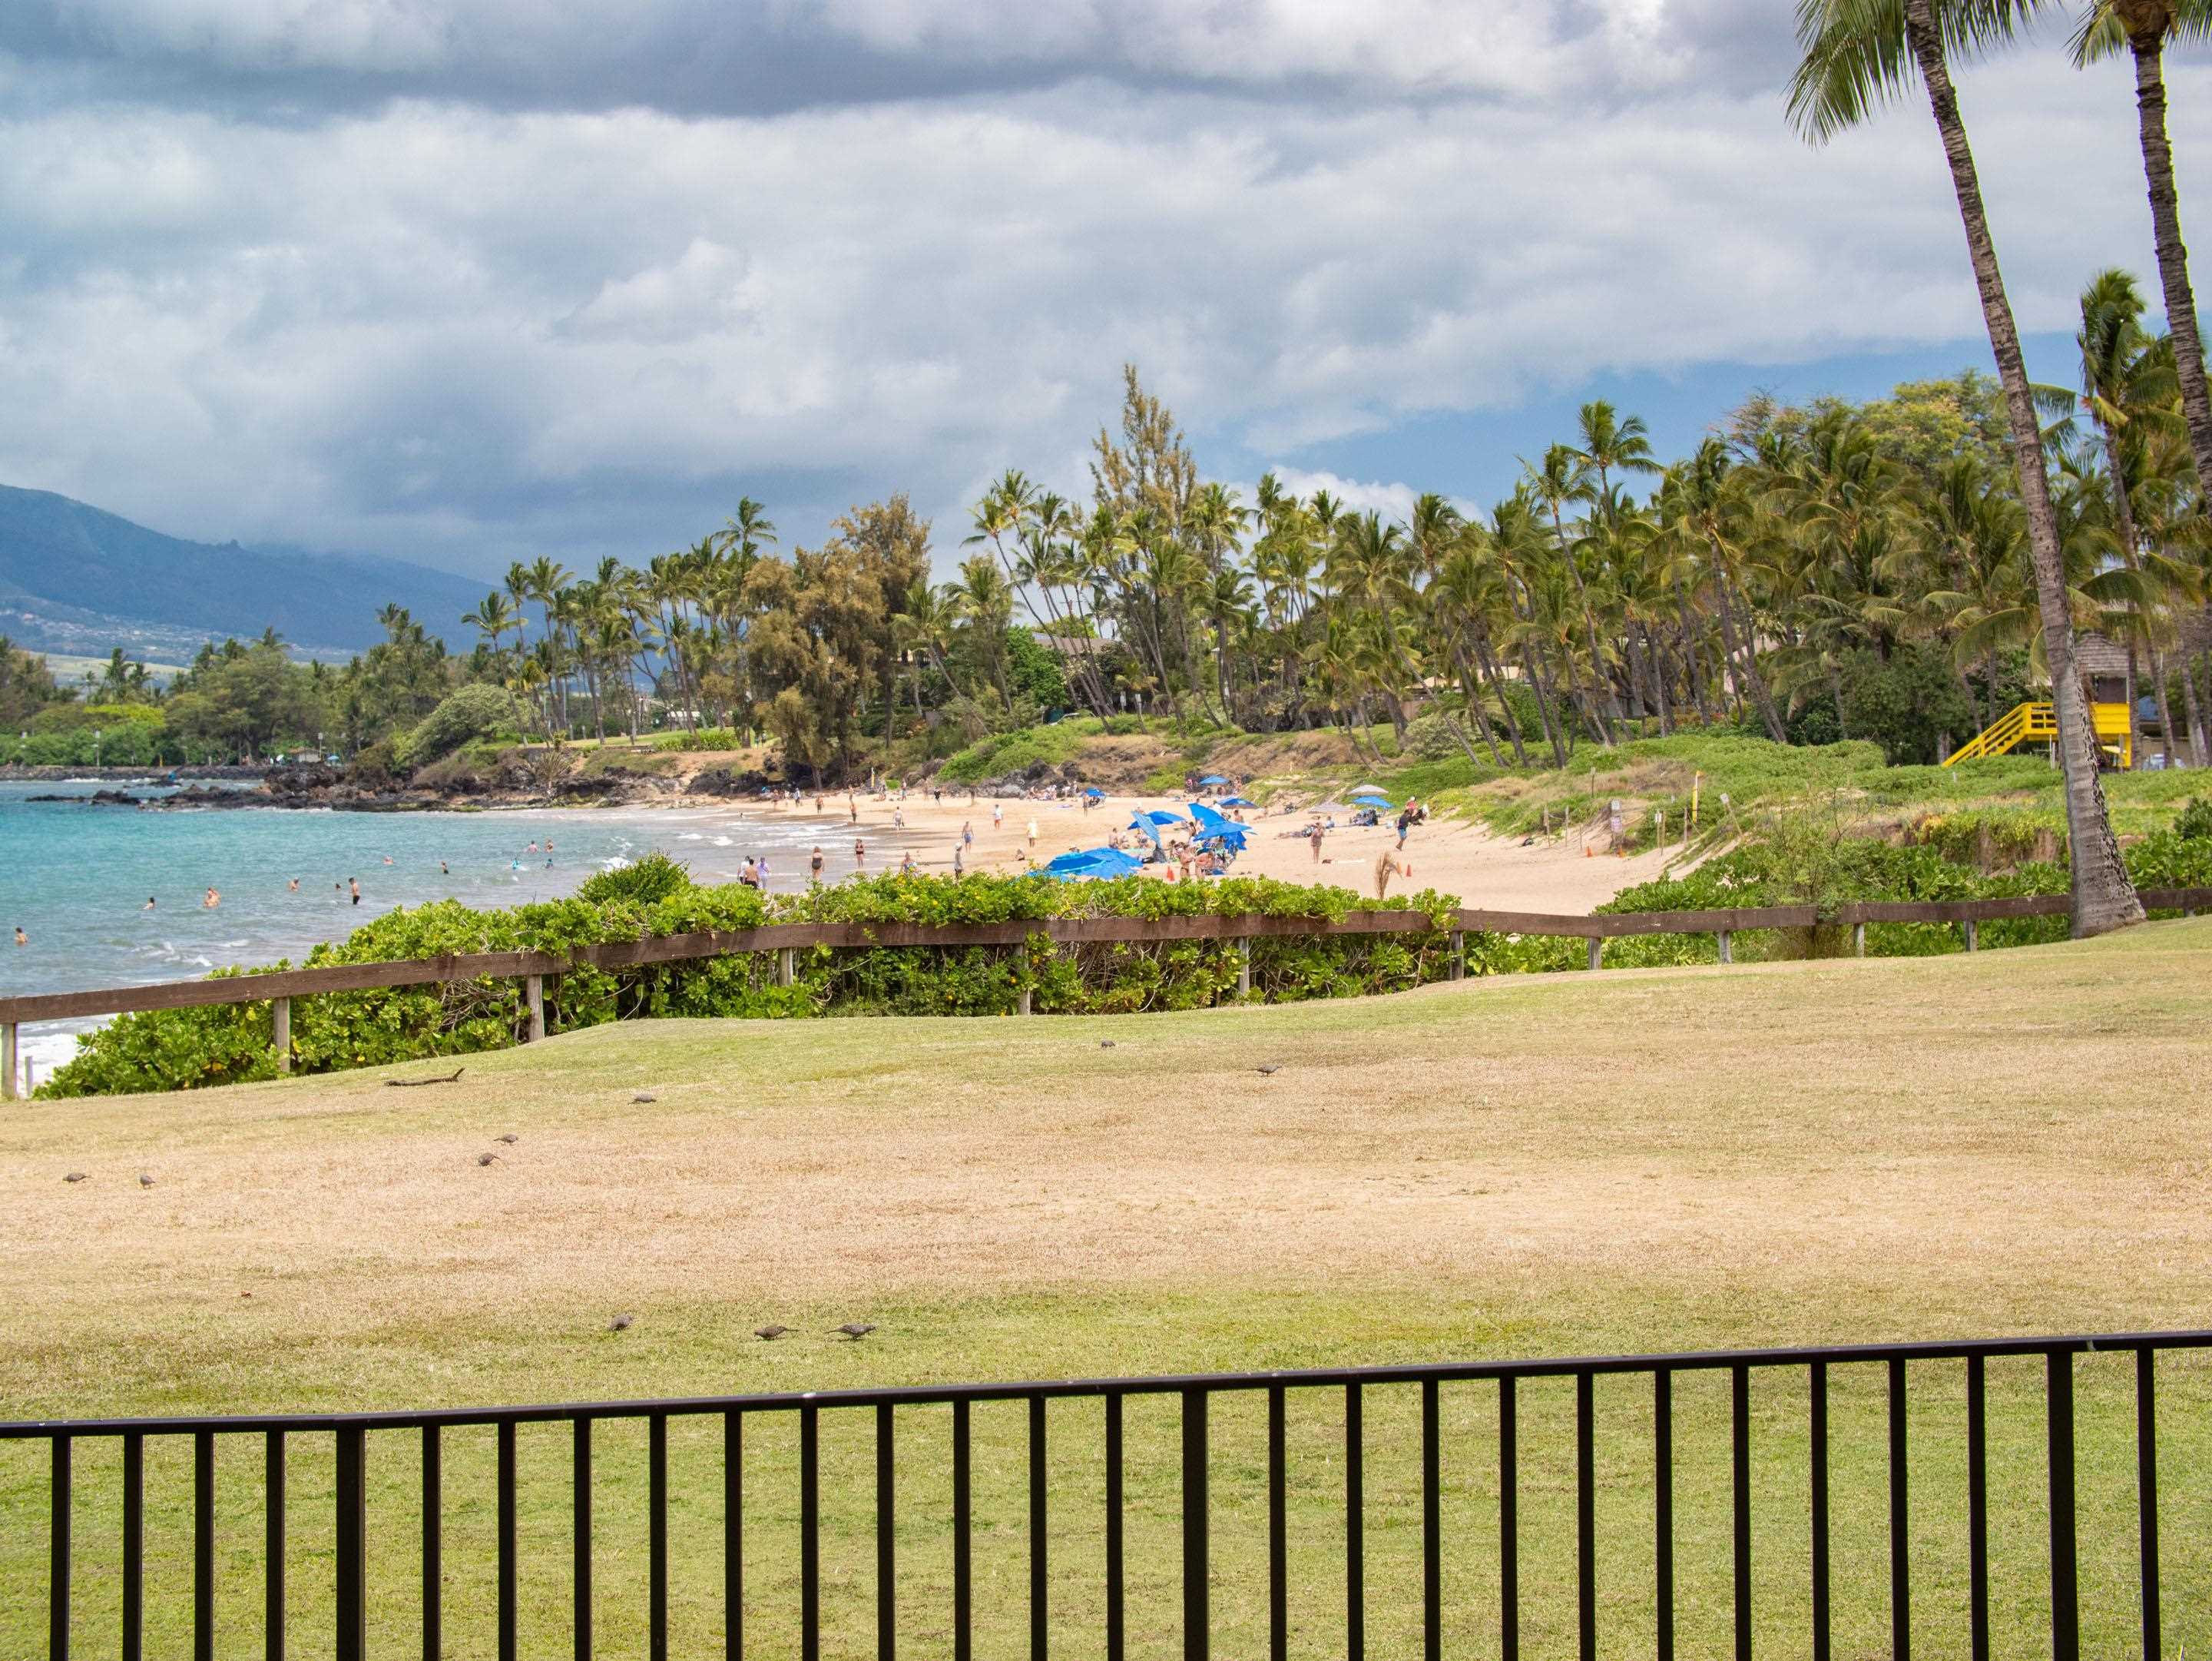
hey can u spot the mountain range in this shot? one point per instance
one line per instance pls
(76, 581)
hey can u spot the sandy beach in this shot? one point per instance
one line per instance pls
(1453, 857)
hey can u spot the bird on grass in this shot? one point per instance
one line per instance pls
(144, 1181)
(855, 1330)
(510, 1139)
(621, 1323)
(1272, 1067)
(645, 1096)
(1105, 1044)
(74, 1177)
(771, 1331)
(486, 1158)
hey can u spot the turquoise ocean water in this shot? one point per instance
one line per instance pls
(75, 877)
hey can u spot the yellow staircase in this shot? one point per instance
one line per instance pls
(2038, 723)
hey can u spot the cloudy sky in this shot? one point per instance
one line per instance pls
(464, 281)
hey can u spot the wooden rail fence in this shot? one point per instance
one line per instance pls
(279, 987)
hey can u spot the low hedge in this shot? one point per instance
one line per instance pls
(182, 1048)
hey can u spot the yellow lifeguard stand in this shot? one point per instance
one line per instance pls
(2104, 677)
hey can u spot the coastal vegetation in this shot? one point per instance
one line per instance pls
(1783, 857)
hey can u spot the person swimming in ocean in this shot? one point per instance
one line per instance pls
(148, 906)
(214, 898)
(354, 884)
(292, 887)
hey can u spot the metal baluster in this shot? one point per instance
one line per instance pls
(1586, 1513)
(886, 1541)
(1196, 1630)
(1662, 1508)
(1900, 1560)
(1739, 1486)
(1818, 1415)
(656, 1536)
(1508, 1524)
(580, 1558)
(2065, 1612)
(506, 1565)
(57, 1553)
(810, 1533)
(1116, 1625)
(963, 1541)
(2154, 1638)
(132, 1647)
(1355, 1529)
(352, 1544)
(733, 1535)
(1278, 1559)
(1978, 1509)
(272, 1546)
(434, 1544)
(1433, 1572)
(1040, 1600)
(204, 1546)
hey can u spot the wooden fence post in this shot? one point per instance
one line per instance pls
(1244, 967)
(1727, 944)
(1858, 940)
(280, 1017)
(533, 993)
(1596, 952)
(1458, 955)
(8, 1066)
(1973, 935)
(787, 967)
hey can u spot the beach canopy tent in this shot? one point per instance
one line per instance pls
(1082, 862)
(1375, 801)
(1366, 789)
(1231, 836)
(1213, 778)
(1096, 793)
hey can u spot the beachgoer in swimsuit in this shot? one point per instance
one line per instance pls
(354, 884)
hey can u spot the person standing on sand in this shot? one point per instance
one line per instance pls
(1314, 834)
(815, 864)
(998, 815)
(967, 833)
(1032, 833)
(959, 865)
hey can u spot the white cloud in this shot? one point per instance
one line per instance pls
(438, 327)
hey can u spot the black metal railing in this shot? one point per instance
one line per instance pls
(352, 1433)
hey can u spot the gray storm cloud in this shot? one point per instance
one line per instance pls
(430, 280)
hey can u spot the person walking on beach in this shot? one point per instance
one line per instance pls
(998, 814)
(748, 875)
(1314, 834)
(814, 865)
(859, 853)
(1032, 833)
(959, 865)
(898, 818)
(1404, 820)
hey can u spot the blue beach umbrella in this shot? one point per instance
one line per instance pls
(1213, 778)
(1156, 817)
(1237, 802)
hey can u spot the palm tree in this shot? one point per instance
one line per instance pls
(2144, 26)
(2127, 384)
(493, 616)
(1860, 53)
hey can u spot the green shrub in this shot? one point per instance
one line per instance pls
(706, 738)
(643, 882)
(170, 1050)
(2194, 821)
(472, 712)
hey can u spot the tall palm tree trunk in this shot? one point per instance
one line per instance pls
(2148, 47)
(2103, 897)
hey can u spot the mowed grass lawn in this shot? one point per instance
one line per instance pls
(2011, 1142)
